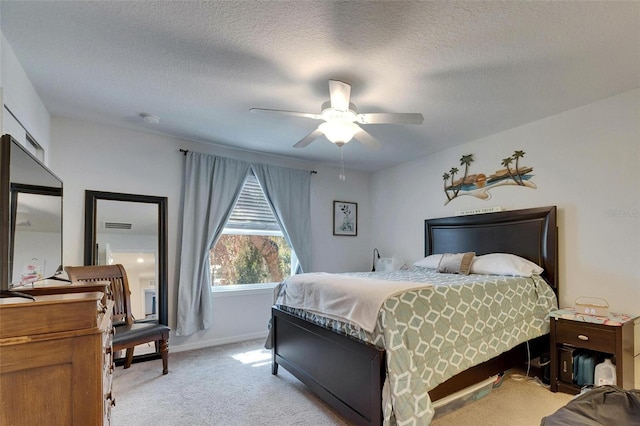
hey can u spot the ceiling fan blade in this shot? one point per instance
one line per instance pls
(339, 93)
(284, 112)
(309, 138)
(390, 118)
(367, 140)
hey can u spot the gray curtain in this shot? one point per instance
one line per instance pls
(288, 193)
(211, 186)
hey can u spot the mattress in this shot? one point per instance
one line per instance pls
(431, 334)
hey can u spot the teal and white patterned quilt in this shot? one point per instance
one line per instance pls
(432, 334)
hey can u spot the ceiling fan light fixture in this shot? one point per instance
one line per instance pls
(340, 118)
(339, 132)
(330, 113)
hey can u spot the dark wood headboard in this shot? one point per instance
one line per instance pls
(529, 233)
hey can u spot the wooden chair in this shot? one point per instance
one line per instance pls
(128, 332)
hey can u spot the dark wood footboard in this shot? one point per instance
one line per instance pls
(346, 373)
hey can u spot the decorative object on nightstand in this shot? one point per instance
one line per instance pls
(577, 336)
(592, 306)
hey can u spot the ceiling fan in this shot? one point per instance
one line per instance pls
(341, 119)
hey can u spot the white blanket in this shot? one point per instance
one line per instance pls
(354, 300)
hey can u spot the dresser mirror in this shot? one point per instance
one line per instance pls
(31, 233)
(131, 230)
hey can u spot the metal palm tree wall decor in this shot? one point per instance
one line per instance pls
(478, 185)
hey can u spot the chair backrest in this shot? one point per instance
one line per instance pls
(120, 292)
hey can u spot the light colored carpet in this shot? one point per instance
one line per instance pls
(223, 385)
(233, 385)
(521, 403)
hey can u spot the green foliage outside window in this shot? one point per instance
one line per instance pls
(249, 259)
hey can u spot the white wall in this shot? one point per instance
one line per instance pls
(21, 98)
(586, 161)
(101, 158)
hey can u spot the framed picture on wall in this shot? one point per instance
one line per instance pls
(345, 218)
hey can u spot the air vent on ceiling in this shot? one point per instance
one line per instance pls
(117, 225)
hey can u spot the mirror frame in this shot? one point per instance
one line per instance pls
(90, 212)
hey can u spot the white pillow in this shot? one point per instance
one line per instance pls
(504, 264)
(430, 262)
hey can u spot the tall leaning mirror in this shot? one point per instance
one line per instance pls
(131, 230)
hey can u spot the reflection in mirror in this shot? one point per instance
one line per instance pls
(127, 233)
(131, 230)
(35, 251)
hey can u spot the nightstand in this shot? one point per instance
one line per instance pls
(608, 337)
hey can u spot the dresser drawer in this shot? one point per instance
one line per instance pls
(587, 336)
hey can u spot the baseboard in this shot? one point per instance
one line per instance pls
(216, 342)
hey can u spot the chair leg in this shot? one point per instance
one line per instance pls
(129, 358)
(164, 353)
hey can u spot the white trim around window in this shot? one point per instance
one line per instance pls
(242, 289)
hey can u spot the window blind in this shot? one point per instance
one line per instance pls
(252, 210)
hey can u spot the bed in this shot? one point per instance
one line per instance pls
(348, 372)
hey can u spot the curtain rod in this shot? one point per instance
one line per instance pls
(184, 152)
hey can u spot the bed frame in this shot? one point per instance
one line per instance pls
(348, 374)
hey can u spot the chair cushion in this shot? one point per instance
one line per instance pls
(136, 331)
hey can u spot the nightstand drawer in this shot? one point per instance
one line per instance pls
(582, 335)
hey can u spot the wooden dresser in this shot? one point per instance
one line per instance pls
(56, 363)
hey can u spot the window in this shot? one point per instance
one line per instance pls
(252, 248)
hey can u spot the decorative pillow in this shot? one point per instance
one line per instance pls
(458, 263)
(504, 264)
(430, 262)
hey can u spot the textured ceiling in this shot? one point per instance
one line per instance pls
(471, 68)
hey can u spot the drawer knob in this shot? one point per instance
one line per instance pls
(583, 337)
(110, 398)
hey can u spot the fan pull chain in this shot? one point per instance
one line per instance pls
(343, 177)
